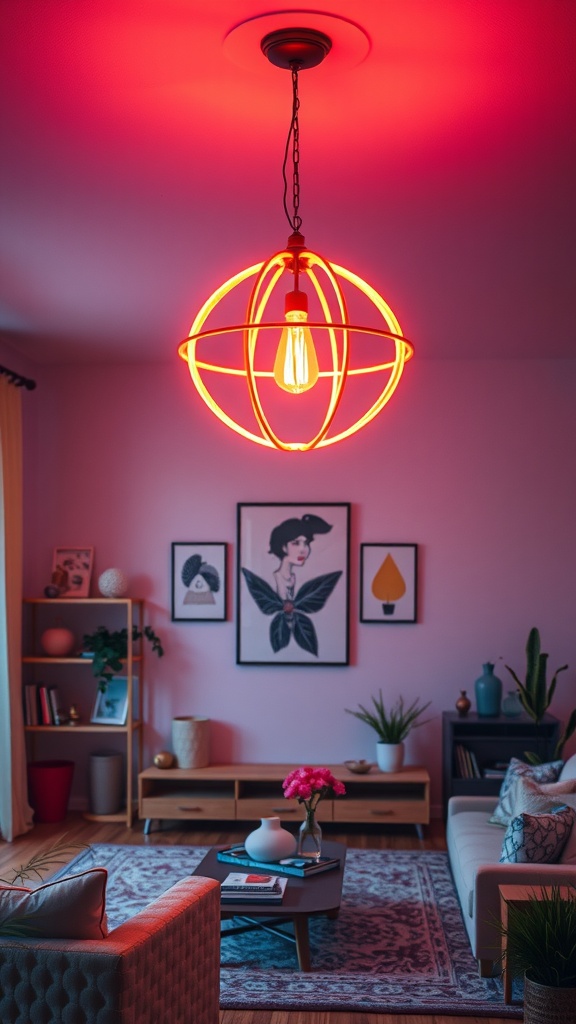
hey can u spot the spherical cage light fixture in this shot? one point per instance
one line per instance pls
(252, 336)
(310, 352)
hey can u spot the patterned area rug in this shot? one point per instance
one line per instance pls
(398, 945)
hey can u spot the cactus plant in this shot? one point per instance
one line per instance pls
(535, 693)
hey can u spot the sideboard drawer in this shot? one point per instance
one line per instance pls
(187, 805)
(254, 808)
(387, 811)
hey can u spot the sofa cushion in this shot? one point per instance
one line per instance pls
(542, 773)
(70, 908)
(528, 796)
(569, 769)
(537, 838)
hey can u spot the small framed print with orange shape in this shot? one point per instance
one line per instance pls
(388, 583)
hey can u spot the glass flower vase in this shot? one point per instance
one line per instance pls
(310, 837)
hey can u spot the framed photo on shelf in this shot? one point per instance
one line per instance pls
(293, 584)
(72, 571)
(199, 583)
(111, 707)
(388, 583)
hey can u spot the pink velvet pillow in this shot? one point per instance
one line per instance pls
(70, 908)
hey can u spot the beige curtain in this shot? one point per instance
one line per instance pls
(15, 813)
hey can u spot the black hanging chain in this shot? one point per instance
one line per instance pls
(295, 221)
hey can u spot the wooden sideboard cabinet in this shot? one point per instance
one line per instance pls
(247, 792)
(487, 742)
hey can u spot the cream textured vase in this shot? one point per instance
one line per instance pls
(270, 841)
(190, 741)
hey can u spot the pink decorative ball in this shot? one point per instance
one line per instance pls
(113, 583)
(57, 642)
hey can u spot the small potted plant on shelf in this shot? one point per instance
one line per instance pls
(391, 727)
(536, 695)
(541, 948)
(109, 648)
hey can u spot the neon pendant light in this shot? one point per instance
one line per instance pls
(299, 351)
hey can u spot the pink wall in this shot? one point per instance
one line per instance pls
(473, 461)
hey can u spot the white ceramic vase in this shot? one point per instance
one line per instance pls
(390, 756)
(190, 741)
(270, 841)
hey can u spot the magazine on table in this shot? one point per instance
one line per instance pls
(298, 866)
(252, 888)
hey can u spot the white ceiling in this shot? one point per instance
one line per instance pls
(142, 144)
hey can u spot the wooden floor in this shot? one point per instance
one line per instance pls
(12, 855)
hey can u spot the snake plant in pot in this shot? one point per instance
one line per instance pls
(391, 727)
(541, 948)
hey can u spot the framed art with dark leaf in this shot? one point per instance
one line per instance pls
(293, 584)
(388, 582)
(198, 581)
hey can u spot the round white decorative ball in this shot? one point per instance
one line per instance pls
(113, 583)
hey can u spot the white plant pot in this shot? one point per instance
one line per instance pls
(270, 841)
(390, 756)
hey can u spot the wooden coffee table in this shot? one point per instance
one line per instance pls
(303, 898)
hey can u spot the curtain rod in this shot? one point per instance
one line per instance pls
(17, 379)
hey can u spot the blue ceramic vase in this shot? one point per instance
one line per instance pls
(488, 690)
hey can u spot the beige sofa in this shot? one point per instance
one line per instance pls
(474, 847)
(160, 967)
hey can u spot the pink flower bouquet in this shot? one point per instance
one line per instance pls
(310, 785)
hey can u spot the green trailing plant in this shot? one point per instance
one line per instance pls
(394, 725)
(535, 693)
(541, 938)
(36, 867)
(109, 648)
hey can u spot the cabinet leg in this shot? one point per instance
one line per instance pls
(419, 831)
(147, 826)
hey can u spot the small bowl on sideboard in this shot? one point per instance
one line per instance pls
(359, 767)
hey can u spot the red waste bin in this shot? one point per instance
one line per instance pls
(49, 785)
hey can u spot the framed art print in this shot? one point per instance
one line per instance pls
(293, 584)
(198, 581)
(111, 706)
(72, 571)
(388, 579)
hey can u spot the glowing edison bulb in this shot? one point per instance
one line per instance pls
(296, 363)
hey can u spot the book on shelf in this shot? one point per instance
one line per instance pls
(300, 867)
(466, 763)
(46, 713)
(31, 711)
(53, 701)
(252, 888)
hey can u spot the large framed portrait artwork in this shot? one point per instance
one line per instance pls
(293, 584)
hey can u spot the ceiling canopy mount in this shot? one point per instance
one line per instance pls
(301, 47)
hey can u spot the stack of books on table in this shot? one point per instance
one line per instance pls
(240, 888)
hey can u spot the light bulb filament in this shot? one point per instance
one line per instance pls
(296, 364)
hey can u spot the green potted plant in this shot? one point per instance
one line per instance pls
(109, 648)
(541, 948)
(535, 693)
(391, 727)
